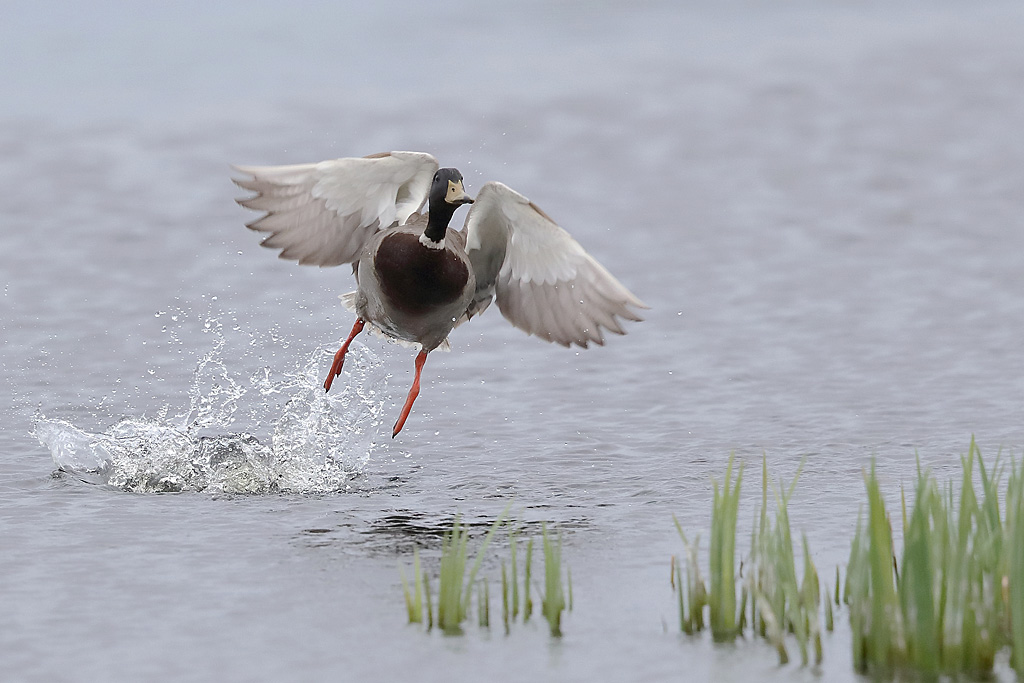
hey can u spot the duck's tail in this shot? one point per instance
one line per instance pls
(348, 300)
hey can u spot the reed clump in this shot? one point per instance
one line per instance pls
(455, 588)
(945, 604)
(774, 601)
(954, 596)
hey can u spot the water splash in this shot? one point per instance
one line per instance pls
(310, 441)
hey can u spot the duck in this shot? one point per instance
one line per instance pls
(416, 277)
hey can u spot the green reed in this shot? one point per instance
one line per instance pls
(554, 600)
(456, 585)
(414, 598)
(955, 595)
(724, 510)
(511, 592)
(944, 604)
(783, 603)
(774, 601)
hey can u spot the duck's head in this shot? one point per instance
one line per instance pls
(446, 194)
(447, 188)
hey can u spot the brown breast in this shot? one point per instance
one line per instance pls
(415, 278)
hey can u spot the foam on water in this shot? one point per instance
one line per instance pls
(300, 439)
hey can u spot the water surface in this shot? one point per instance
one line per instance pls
(821, 203)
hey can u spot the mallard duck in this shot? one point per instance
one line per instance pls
(417, 278)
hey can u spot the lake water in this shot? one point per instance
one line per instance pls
(821, 202)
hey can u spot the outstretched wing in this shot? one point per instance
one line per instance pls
(322, 214)
(546, 284)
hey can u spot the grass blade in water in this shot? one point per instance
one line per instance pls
(553, 603)
(725, 507)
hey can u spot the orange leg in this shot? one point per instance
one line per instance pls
(339, 357)
(421, 358)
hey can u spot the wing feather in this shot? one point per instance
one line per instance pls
(587, 327)
(574, 328)
(598, 311)
(323, 213)
(550, 325)
(545, 283)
